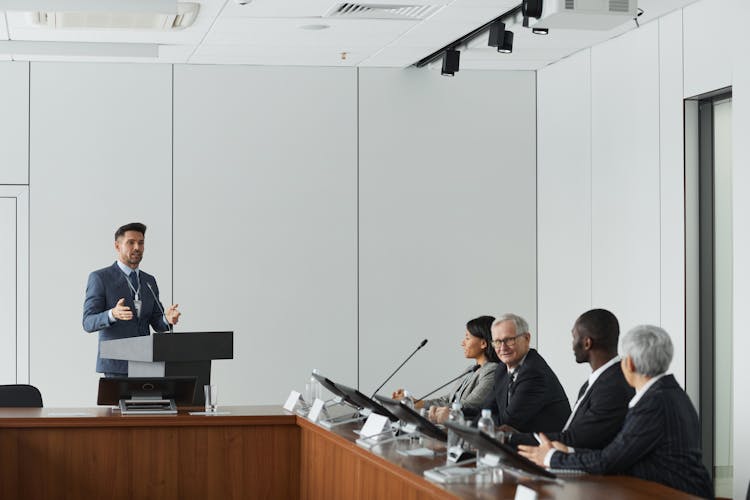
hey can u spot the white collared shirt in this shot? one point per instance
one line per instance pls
(592, 378)
(640, 392)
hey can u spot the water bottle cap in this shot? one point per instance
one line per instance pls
(486, 413)
(456, 405)
(315, 371)
(407, 394)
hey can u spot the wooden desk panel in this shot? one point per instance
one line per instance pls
(334, 467)
(165, 457)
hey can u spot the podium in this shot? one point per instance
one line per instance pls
(175, 354)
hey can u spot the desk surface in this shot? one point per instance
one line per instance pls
(111, 417)
(577, 487)
(262, 450)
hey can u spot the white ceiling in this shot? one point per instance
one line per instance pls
(269, 32)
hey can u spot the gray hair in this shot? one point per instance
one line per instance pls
(521, 325)
(650, 348)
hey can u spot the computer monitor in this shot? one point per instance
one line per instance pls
(363, 401)
(114, 390)
(408, 415)
(487, 444)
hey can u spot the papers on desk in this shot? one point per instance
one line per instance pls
(417, 452)
(70, 414)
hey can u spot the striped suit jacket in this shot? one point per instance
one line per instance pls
(659, 441)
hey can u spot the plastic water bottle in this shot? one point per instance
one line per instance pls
(313, 389)
(486, 424)
(457, 417)
(409, 400)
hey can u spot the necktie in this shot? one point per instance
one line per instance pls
(583, 390)
(575, 407)
(133, 277)
(511, 385)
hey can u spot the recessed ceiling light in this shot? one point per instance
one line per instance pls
(314, 27)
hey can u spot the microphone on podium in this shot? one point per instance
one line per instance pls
(421, 345)
(158, 304)
(470, 370)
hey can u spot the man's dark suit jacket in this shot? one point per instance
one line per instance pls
(105, 287)
(659, 441)
(537, 400)
(599, 416)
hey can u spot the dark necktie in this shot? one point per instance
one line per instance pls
(511, 384)
(583, 389)
(133, 277)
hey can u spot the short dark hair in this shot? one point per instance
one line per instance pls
(133, 226)
(481, 327)
(601, 326)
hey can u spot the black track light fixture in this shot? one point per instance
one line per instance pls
(451, 58)
(531, 8)
(501, 38)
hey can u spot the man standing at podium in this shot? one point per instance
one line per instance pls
(122, 301)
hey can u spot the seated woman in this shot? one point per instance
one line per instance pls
(472, 389)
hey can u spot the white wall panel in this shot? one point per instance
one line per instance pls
(447, 215)
(741, 241)
(708, 61)
(7, 290)
(672, 188)
(265, 222)
(625, 178)
(100, 157)
(564, 205)
(14, 122)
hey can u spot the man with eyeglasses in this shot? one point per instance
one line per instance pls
(527, 394)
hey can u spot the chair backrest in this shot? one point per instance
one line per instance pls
(20, 396)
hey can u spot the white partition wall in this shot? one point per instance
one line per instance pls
(741, 241)
(100, 157)
(265, 222)
(564, 221)
(672, 190)
(447, 210)
(708, 45)
(14, 122)
(14, 284)
(625, 176)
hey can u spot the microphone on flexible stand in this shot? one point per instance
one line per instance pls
(156, 299)
(421, 345)
(470, 370)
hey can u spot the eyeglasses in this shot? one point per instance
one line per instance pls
(509, 342)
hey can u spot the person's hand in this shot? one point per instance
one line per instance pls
(439, 414)
(507, 428)
(172, 314)
(121, 312)
(399, 394)
(537, 454)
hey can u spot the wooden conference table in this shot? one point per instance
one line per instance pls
(251, 452)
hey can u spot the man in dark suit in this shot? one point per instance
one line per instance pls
(121, 300)
(602, 402)
(527, 394)
(660, 439)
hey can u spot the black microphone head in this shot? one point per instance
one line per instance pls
(423, 343)
(475, 367)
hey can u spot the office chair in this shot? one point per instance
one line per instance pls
(20, 396)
